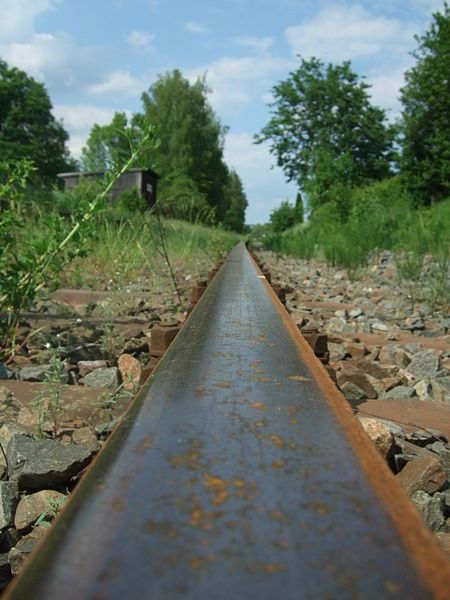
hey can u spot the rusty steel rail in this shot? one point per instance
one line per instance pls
(238, 472)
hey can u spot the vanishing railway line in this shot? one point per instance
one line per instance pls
(238, 472)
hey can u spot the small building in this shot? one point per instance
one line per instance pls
(144, 180)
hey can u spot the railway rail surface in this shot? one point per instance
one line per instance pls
(238, 472)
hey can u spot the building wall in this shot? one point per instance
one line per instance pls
(144, 181)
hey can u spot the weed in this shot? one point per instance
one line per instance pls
(109, 399)
(28, 259)
(111, 342)
(47, 404)
(46, 516)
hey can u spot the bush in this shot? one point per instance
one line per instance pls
(180, 198)
(283, 217)
(381, 216)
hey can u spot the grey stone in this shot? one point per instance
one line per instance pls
(102, 430)
(9, 497)
(87, 366)
(408, 452)
(423, 389)
(380, 434)
(103, 378)
(446, 495)
(443, 452)
(394, 428)
(431, 508)
(413, 324)
(5, 373)
(337, 351)
(7, 431)
(38, 464)
(424, 365)
(336, 324)
(352, 391)
(378, 325)
(392, 354)
(8, 539)
(18, 555)
(5, 571)
(355, 312)
(440, 389)
(39, 373)
(423, 437)
(400, 391)
(87, 437)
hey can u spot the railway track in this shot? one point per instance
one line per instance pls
(238, 472)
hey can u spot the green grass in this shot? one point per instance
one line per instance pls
(130, 250)
(382, 218)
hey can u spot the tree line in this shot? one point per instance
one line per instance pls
(325, 133)
(330, 139)
(196, 184)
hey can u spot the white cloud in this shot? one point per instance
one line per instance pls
(235, 82)
(259, 44)
(141, 39)
(17, 17)
(54, 59)
(340, 32)
(261, 179)
(78, 120)
(195, 27)
(121, 82)
(385, 90)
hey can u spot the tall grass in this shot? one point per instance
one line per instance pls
(382, 217)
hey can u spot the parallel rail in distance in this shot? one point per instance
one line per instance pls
(238, 472)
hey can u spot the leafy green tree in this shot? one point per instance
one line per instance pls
(283, 217)
(190, 154)
(191, 135)
(28, 130)
(425, 161)
(299, 210)
(180, 198)
(109, 145)
(322, 116)
(236, 202)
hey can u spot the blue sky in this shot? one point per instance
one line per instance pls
(98, 56)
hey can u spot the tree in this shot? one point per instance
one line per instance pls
(190, 155)
(299, 210)
(28, 130)
(425, 163)
(191, 135)
(236, 201)
(322, 117)
(180, 198)
(108, 145)
(283, 217)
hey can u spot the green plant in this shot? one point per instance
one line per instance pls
(46, 516)
(109, 399)
(438, 283)
(28, 262)
(111, 342)
(47, 403)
